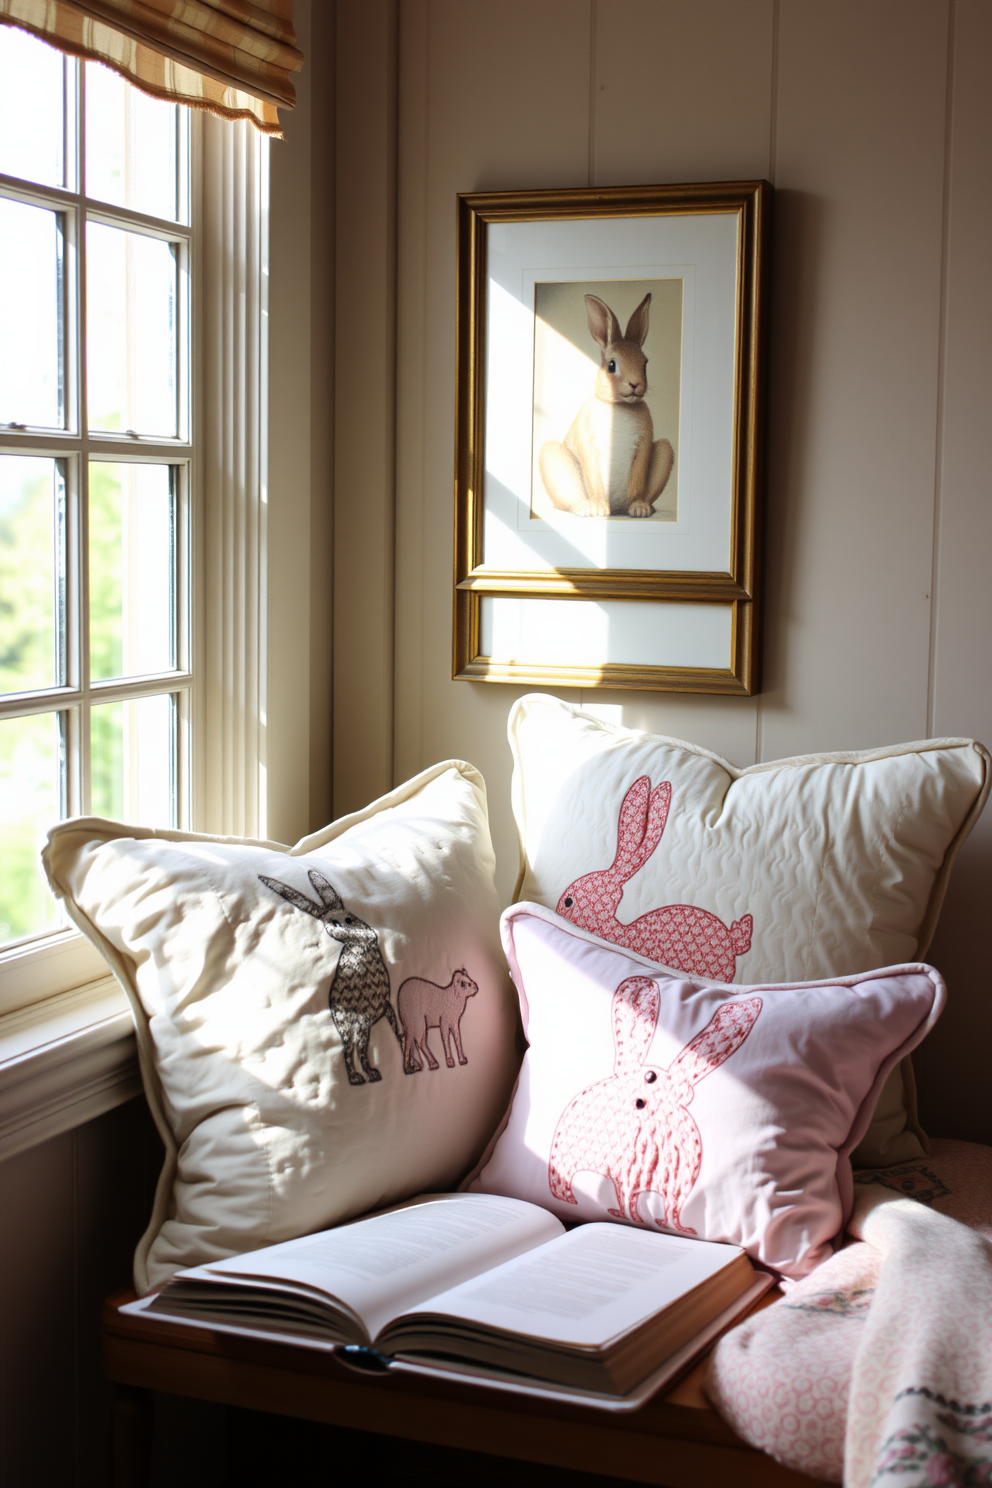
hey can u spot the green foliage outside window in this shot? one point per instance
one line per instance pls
(30, 747)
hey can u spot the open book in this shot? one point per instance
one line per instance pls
(479, 1281)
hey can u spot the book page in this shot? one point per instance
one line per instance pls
(381, 1266)
(586, 1287)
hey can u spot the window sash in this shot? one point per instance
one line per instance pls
(223, 684)
(51, 961)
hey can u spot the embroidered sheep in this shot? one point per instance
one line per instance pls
(633, 1127)
(423, 1005)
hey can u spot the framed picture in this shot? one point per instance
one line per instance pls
(610, 371)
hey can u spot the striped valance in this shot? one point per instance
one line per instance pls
(231, 57)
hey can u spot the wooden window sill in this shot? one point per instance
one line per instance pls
(63, 1061)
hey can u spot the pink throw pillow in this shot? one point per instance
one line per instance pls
(704, 1108)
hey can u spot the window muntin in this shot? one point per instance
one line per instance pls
(95, 462)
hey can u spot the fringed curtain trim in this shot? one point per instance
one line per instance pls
(229, 57)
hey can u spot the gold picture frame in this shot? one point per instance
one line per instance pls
(552, 586)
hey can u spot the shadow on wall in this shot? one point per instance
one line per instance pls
(952, 1065)
(799, 225)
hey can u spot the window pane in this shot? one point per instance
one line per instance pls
(131, 331)
(31, 291)
(32, 109)
(32, 573)
(132, 570)
(130, 145)
(132, 761)
(30, 803)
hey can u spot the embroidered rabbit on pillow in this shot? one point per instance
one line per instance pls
(679, 935)
(634, 1127)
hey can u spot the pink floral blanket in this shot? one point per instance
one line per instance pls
(877, 1368)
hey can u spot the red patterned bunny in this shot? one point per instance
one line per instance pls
(633, 1127)
(678, 935)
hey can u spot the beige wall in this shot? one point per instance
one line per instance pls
(873, 119)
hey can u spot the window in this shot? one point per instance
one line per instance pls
(96, 462)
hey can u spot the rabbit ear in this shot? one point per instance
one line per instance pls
(642, 819)
(636, 1004)
(661, 800)
(725, 1032)
(293, 896)
(329, 896)
(637, 325)
(631, 824)
(603, 324)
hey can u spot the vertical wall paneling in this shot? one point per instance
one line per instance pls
(297, 723)
(71, 1212)
(411, 377)
(229, 712)
(683, 92)
(481, 111)
(365, 404)
(855, 320)
(117, 1160)
(37, 1314)
(321, 194)
(290, 473)
(953, 1064)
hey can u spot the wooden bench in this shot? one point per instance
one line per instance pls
(676, 1439)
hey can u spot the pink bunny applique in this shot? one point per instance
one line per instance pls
(678, 935)
(633, 1127)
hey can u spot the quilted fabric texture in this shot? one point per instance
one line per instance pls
(800, 869)
(720, 1111)
(322, 1029)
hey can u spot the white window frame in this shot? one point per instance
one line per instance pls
(53, 961)
(66, 1043)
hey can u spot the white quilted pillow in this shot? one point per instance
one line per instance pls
(797, 870)
(322, 1029)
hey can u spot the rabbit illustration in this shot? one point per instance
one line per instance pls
(678, 935)
(633, 1127)
(610, 463)
(359, 992)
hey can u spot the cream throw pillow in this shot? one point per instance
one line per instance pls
(819, 866)
(322, 1029)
